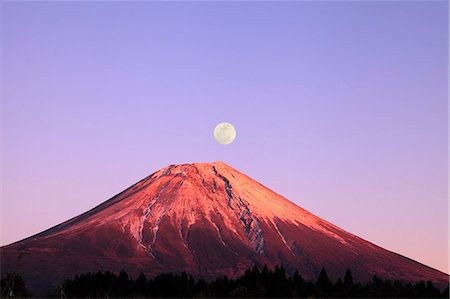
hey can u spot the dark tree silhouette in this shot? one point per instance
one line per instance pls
(348, 278)
(13, 285)
(252, 284)
(324, 284)
(140, 286)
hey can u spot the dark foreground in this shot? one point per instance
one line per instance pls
(252, 284)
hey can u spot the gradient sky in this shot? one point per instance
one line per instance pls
(339, 106)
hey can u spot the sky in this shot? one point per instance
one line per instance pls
(341, 107)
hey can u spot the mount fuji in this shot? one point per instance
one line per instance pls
(206, 219)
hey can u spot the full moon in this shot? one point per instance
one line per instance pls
(224, 133)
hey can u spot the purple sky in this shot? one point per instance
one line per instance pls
(339, 106)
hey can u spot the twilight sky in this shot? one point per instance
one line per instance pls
(341, 107)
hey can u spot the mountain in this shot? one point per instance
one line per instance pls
(207, 219)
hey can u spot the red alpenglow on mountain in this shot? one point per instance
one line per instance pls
(206, 219)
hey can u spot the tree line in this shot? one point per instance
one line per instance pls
(254, 283)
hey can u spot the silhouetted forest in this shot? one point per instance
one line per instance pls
(252, 284)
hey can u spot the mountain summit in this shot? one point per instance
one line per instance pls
(207, 219)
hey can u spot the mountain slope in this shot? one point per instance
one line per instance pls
(206, 219)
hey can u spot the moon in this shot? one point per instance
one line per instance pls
(224, 133)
